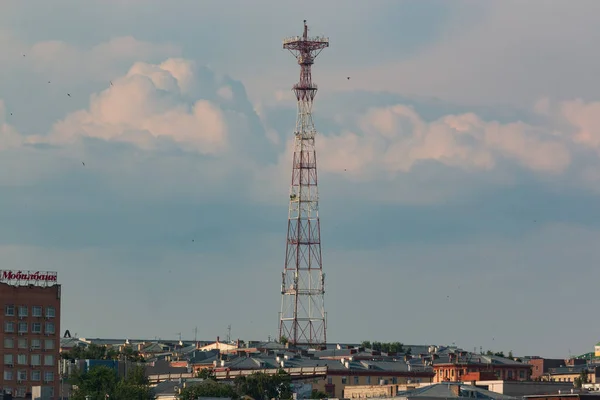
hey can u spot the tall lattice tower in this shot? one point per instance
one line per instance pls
(302, 319)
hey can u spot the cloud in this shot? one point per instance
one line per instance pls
(501, 57)
(391, 143)
(149, 104)
(58, 60)
(9, 137)
(178, 104)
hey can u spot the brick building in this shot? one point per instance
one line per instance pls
(29, 326)
(464, 366)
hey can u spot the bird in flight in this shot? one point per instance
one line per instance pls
(83, 163)
(69, 94)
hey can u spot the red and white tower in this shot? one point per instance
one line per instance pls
(302, 320)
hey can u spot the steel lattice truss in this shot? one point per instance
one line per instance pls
(302, 317)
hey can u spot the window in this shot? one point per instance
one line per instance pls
(23, 311)
(49, 359)
(22, 375)
(9, 310)
(9, 343)
(22, 359)
(330, 381)
(9, 327)
(368, 380)
(8, 359)
(356, 380)
(395, 380)
(49, 327)
(36, 375)
(22, 327)
(8, 375)
(48, 376)
(49, 344)
(344, 380)
(36, 311)
(521, 374)
(21, 391)
(36, 344)
(510, 375)
(36, 327)
(36, 359)
(22, 343)
(50, 312)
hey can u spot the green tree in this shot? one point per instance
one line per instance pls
(283, 340)
(206, 373)
(262, 386)
(208, 388)
(96, 383)
(392, 347)
(316, 394)
(100, 381)
(581, 379)
(95, 352)
(366, 344)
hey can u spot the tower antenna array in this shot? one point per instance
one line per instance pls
(302, 320)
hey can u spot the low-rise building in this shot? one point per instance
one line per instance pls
(454, 366)
(339, 373)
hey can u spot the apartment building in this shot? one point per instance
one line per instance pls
(30, 326)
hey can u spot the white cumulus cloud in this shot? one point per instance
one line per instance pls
(148, 104)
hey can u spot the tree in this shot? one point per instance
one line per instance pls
(316, 394)
(393, 347)
(263, 386)
(95, 352)
(510, 355)
(283, 340)
(206, 373)
(208, 388)
(581, 379)
(96, 383)
(100, 381)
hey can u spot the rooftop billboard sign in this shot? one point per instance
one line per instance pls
(22, 278)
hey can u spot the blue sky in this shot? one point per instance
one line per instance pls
(458, 166)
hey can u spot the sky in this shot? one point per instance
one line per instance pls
(459, 166)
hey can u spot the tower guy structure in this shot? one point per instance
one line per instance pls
(302, 320)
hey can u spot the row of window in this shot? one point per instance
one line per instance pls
(35, 375)
(450, 373)
(22, 343)
(21, 391)
(36, 359)
(356, 380)
(36, 311)
(36, 327)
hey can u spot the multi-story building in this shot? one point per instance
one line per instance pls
(460, 366)
(29, 326)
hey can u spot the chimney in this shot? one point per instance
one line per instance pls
(455, 389)
(197, 345)
(217, 339)
(237, 344)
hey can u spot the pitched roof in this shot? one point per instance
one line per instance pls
(453, 390)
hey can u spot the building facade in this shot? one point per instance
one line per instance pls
(459, 367)
(30, 326)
